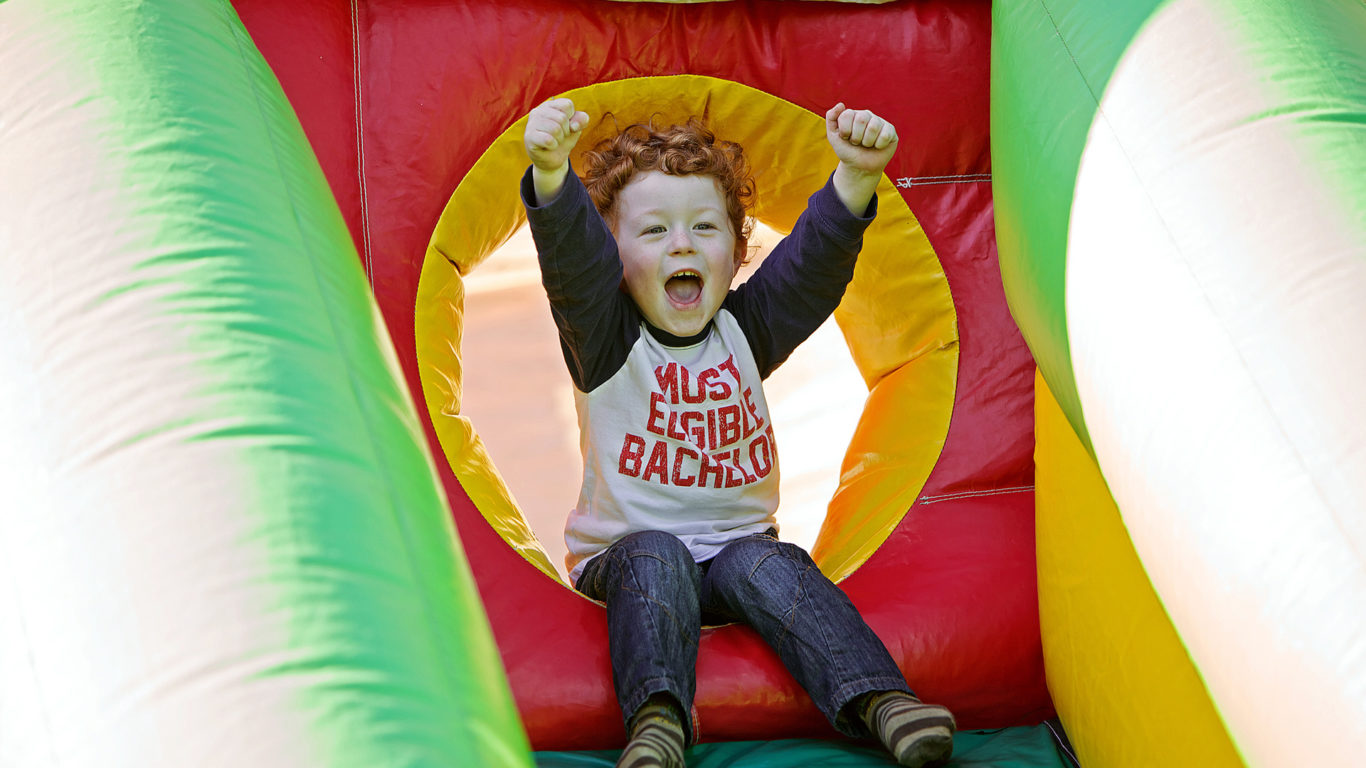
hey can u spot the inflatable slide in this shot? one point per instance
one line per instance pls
(1117, 474)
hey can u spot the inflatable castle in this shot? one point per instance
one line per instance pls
(1111, 463)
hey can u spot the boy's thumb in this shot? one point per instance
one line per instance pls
(832, 117)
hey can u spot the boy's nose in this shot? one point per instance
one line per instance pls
(680, 242)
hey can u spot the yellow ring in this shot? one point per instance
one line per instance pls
(897, 315)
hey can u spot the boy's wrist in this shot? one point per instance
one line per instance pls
(548, 183)
(855, 187)
(857, 176)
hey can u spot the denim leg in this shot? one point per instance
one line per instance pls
(777, 589)
(650, 584)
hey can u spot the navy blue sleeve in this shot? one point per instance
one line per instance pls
(581, 272)
(802, 280)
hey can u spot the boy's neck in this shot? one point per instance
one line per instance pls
(670, 340)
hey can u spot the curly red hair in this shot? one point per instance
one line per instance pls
(680, 150)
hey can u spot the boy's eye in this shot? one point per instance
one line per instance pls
(655, 230)
(705, 225)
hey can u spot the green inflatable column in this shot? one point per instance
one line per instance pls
(222, 539)
(1181, 202)
(1050, 63)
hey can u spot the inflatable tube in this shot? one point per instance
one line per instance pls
(415, 94)
(222, 542)
(1181, 197)
(1116, 667)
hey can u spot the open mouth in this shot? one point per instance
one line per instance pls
(684, 288)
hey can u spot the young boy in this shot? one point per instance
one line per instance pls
(675, 519)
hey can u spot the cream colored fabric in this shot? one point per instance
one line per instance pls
(1214, 303)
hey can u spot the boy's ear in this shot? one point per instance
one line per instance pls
(744, 252)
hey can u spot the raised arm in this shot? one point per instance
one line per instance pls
(803, 279)
(864, 144)
(552, 130)
(580, 268)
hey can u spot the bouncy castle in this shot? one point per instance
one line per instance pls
(1110, 467)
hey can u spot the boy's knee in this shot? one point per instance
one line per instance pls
(658, 542)
(644, 548)
(746, 556)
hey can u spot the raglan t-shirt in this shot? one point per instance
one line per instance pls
(675, 432)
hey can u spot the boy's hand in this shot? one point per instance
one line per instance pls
(862, 141)
(864, 144)
(552, 130)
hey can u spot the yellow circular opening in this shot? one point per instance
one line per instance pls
(897, 316)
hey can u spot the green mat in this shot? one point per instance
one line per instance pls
(1025, 747)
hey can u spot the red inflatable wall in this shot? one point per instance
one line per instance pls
(399, 98)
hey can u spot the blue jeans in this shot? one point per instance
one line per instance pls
(657, 596)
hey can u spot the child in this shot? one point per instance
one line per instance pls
(675, 518)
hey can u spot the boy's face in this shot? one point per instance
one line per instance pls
(677, 248)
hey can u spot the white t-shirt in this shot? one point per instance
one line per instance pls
(678, 440)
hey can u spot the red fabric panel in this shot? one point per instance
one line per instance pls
(952, 592)
(990, 444)
(309, 45)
